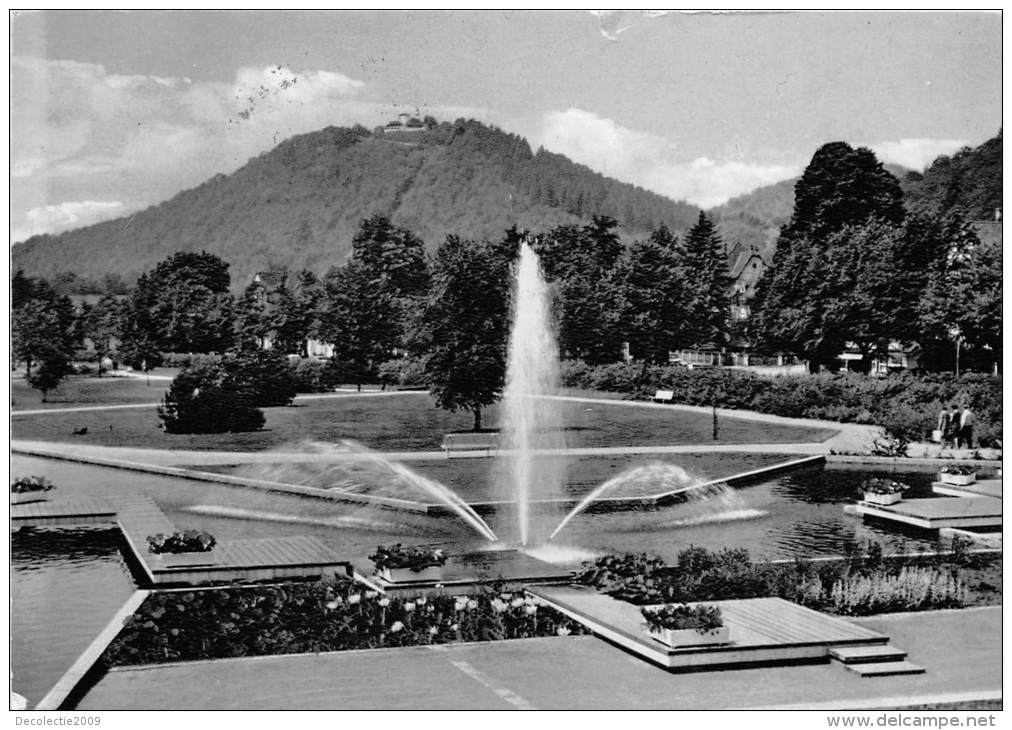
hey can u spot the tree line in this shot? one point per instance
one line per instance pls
(851, 266)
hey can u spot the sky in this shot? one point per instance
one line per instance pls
(114, 111)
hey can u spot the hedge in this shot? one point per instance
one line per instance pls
(903, 402)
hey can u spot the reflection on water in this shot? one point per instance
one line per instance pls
(66, 585)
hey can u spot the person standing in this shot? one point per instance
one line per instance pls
(964, 437)
(947, 426)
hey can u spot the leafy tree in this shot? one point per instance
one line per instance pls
(206, 398)
(103, 323)
(963, 295)
(840, 187)
(843, 186)
(371, 299)
(708, 315)
(54, 366)
(653, 296)
(182, 305)
(465, 325)
(307, 299)
(41, 323)
(266, 314)
(581, 262)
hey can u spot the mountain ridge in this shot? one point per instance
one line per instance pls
(299, 204)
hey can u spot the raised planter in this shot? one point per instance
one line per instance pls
(185, 560)
(884, 499)
(432, 574)
(27, 497)
(678, 638)
(958, 480)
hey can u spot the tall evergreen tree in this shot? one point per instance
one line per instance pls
(653, 296)
(708, 315)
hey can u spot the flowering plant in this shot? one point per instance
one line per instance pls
(22, 485)
(883, 486)
(960, 469)
(190, 541)
(412, 558)
(676, 616)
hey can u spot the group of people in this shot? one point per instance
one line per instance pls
(955, 427)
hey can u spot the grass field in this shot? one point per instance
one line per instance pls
(402, 422)
(77, 392)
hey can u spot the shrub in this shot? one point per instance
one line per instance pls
(904, 404)
(24, 485)
(314, 376)
(188, 359)
(190, 541)
(205, 399)
(912, 588)
(264, 375)
(404, 372)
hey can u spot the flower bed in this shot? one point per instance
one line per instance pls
(190, 541)
(679, 625)
(958, 474)
(702, 575)
(399, 564)
(314, 617)
(29, 489)
(883, 491)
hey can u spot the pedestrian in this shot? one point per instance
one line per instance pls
(965, 433)
(946, 427)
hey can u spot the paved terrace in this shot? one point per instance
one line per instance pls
(960, 649)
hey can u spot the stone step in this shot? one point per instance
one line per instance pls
(867, 654)
(885, 669)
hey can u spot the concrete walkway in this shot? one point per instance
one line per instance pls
(960, 649)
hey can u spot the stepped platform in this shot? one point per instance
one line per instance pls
(62, 513)
(937, 512)
(763, 631)
(980, 488)
(137, 517)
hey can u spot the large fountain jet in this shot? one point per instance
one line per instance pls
(530, 421)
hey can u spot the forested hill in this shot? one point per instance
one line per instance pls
(968, 183)
(300, 204)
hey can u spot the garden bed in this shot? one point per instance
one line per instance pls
(862, 584)
(316, 617)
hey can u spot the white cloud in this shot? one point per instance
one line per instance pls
(651, 161)
(916, 153)
(83, 134)
(64, 216)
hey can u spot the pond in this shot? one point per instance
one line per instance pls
(66, 585)
(797, 514)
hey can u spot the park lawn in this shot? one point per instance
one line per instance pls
(403, 422)
(80, 391)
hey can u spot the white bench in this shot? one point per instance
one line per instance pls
(663, 396)
(469, 442)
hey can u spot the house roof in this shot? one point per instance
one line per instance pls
(988, 231)
(742, 262)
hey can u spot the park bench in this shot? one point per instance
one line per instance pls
(470, 442)
(663, 396)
